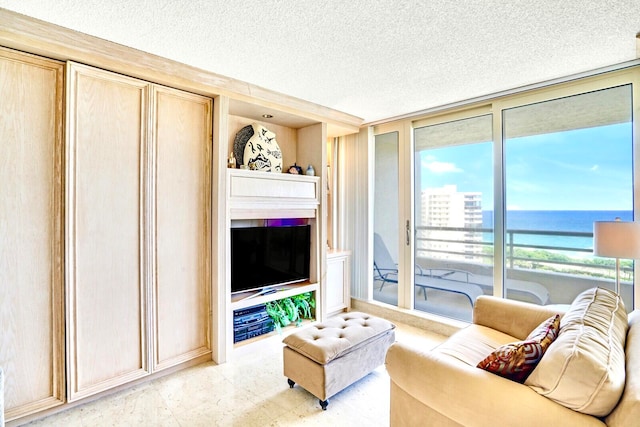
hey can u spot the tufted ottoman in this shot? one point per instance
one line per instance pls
(327, 357)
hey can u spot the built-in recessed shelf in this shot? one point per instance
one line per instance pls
(249, 299)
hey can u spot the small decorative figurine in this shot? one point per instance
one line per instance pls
(295, 169)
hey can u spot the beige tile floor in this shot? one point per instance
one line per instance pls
(248, 391)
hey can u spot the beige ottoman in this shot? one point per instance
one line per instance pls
(327, 357)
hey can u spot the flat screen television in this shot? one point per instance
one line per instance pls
(269, 256)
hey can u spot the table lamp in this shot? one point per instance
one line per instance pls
(616, 239)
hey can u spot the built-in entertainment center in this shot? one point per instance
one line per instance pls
(258, 203)
(274, 234)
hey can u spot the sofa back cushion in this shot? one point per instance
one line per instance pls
(627, 412)
(584, 368)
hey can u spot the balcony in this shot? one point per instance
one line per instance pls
(537, 270)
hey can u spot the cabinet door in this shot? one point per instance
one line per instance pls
(106, 150)
(338, 295)
(31, 278)
(182, 235)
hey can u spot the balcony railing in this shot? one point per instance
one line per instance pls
(464, 243)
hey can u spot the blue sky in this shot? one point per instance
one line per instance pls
(584, 169)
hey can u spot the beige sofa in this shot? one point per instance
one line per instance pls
(443, 386)
(1, 397)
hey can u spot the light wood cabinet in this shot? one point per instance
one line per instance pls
(138, 241)
(182, 243)
(107, 220)
(31, 270)
(338, 283)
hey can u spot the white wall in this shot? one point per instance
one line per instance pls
(353, 207)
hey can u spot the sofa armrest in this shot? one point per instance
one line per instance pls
(514, 318)
(627, 412)
(471, 396)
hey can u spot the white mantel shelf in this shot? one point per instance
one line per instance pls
(256, 194)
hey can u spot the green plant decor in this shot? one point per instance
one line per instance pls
(291, 310)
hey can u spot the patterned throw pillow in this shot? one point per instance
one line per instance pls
(517, 360)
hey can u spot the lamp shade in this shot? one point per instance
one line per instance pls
(616, 239)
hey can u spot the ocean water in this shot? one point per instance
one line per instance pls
(567, 221)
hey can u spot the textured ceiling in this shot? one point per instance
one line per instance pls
(372, 59)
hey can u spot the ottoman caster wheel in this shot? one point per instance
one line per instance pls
(291, 383)
(324, 404)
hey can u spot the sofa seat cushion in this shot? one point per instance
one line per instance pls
(472, 344)
(584, 368)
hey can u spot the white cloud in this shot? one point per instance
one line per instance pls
(594, 168)
(435, 166)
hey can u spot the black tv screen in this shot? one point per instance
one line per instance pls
(269, 256)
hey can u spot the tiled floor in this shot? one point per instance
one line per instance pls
(248, 391)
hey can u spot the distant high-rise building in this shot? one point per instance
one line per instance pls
(446, 207)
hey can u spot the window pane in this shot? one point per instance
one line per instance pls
(454, 206)
(568, 163)
(385, 219)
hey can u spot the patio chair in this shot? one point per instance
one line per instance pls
(384, 268)
(383, 264)
(386, 271)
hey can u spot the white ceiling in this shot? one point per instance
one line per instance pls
(371, 59)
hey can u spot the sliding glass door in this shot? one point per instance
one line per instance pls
(453, 193)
